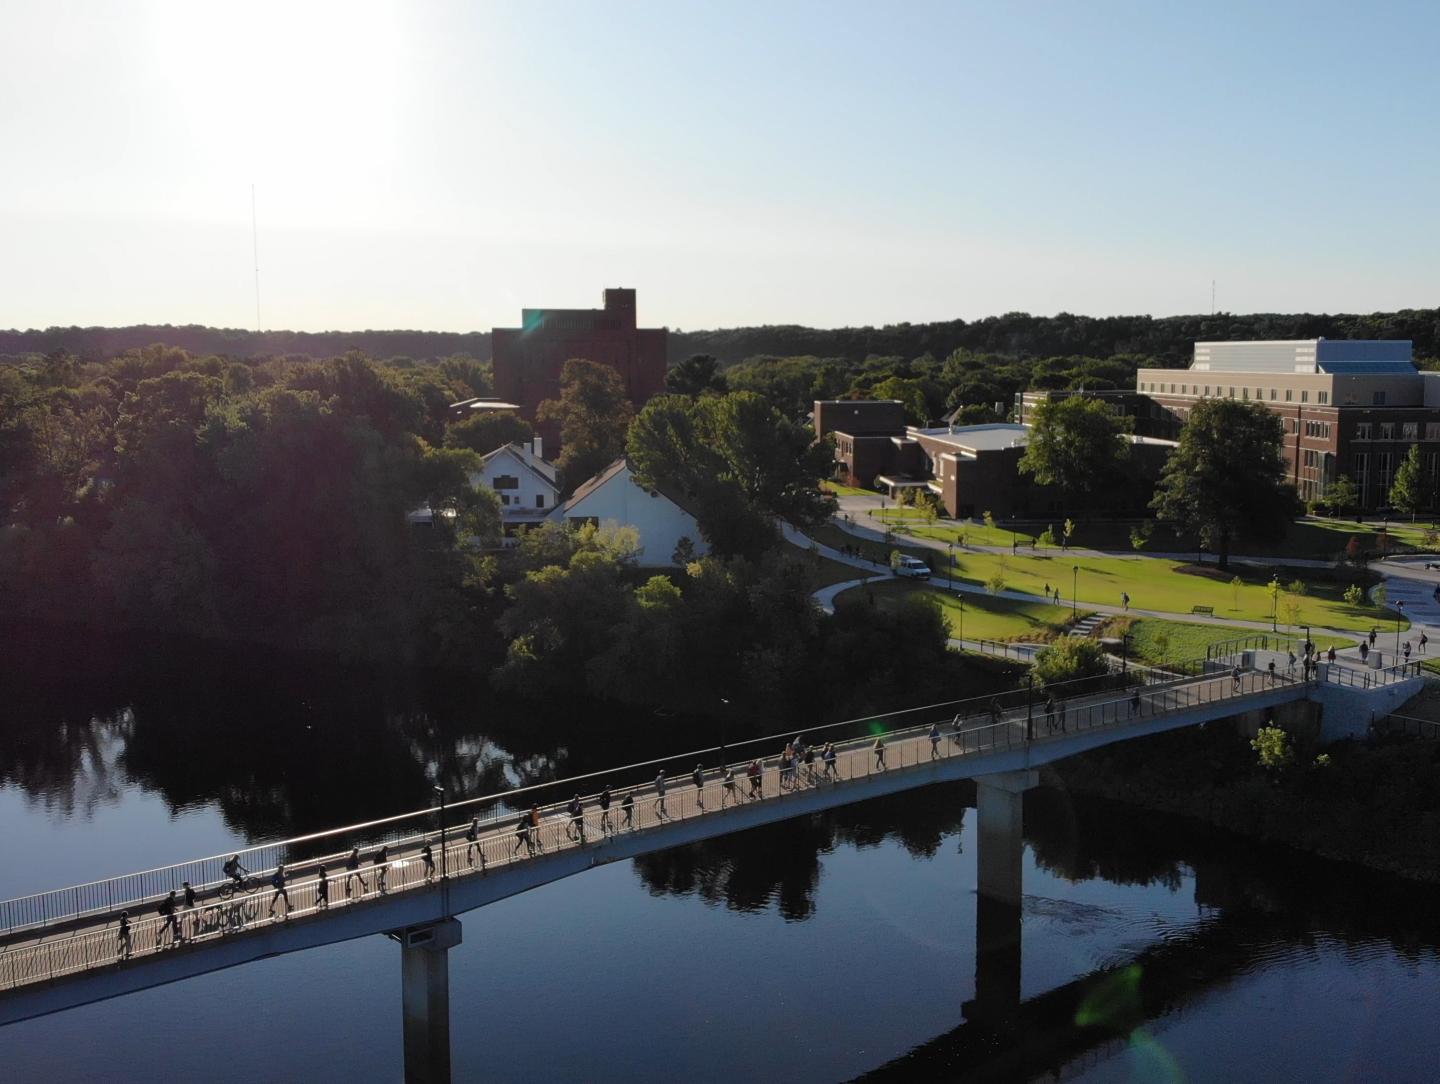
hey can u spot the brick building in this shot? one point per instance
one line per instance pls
(971, 468)
(1349, 407)
(528, 359)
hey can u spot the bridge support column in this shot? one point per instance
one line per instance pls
(425, 999)
(997, 905)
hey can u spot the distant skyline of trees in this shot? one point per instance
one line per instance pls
(1167, 339)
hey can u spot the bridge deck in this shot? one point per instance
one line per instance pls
(90, 942)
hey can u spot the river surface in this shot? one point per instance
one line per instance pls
(828, 948)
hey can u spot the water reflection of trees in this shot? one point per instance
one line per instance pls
(779, 865)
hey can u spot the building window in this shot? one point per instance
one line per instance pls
(1323, 397)
(1410, 430)
(1304, 396)
(1362, 431)
(506, 481)
(539, 500)
(1378, 399)
(1207, 389)
(504, 498)
(1245, 394)
(1387, 430)
(1232, 394)
(1288, 394)
(1272, 395)
(1259, 393)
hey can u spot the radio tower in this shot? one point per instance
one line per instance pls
(255, 251)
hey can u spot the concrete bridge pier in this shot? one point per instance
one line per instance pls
(425, 998)
(997, 904)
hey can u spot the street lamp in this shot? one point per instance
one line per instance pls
(1274, 601)
(444, 870)
(951, 546)
(1399, 614)
(1074, 587)
(960, 595)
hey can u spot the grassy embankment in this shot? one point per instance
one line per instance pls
(1152, 583)
(1309, 538)
(1157, 641)
(984, 617)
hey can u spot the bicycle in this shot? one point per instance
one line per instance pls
(244, 886)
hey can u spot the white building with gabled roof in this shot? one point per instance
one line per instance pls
(614, 498)
(525, 482)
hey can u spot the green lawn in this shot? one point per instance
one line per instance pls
(984, 618)
(1152, 583)
(846, 491)
(1158, 641)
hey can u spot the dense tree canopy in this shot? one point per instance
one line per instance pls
(1226, 479)
(486, 430)
(737, 460)
(592, 414)
(696, 375)
(1077, 445)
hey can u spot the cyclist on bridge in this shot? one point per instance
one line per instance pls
(235, 871)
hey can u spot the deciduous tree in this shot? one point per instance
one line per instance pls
(1226, 479)
(592, 414)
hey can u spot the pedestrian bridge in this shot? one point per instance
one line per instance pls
(64, 948)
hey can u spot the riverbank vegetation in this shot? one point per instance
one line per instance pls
(1377, 804)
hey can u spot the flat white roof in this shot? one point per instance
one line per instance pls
(978, 438)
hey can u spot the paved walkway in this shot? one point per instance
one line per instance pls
(1407, 581)
(64, 945)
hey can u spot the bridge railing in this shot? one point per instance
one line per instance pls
(1365, 678)
(1407, 725)
(106, 897)
(1017, 725)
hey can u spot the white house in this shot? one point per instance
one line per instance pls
(523, 480)
(614, 497)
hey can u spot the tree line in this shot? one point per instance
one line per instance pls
(267, 504)
(1167, 339)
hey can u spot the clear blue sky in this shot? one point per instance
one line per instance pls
(439, 165)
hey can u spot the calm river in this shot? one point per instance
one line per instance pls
(828, 948)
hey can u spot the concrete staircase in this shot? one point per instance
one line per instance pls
(1086, 626)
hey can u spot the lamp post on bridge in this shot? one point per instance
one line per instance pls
(444, 868)
(1030, 706)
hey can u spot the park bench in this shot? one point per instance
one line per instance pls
(1203, 610)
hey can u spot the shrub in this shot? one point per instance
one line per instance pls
(1274, 748)
(1070, 658)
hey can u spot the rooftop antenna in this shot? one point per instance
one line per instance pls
(255, 251)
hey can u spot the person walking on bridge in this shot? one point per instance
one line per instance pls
(122, 937)
(879, 750)
(352, 872)
(381, 862)
(698, 776)
(1135, 701)
(322, 887)
(658, 806)
(428, 857)
(627, 807)
(1272, 671)
(1372, 635)
(190, 905)
(167, 910)
(1235, 674)
(472, 843)
(1423, 641)
(536, 841)
(728, 794)
(522, 835)
(1049, 713)
(575, 830)
(1364, 652)
(810, 765)
(277, 882)
(934, 741)
(756, 777)
(605, 826)
(828, 756)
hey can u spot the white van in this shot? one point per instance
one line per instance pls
(912, 567)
